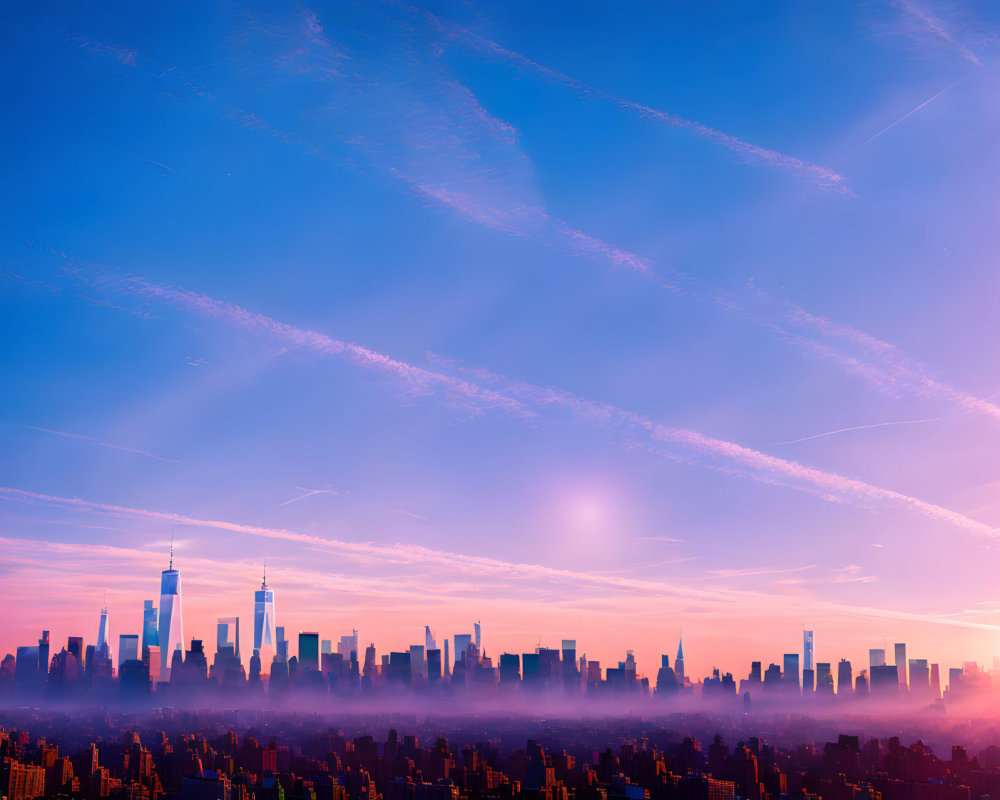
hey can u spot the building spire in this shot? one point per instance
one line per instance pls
(680, 645)
(264, 584)
(171, 548)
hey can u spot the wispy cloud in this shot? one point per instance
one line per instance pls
(754, 571)
(100, 443)
(719, 598)
(822, 176)
(414, 380)
(885, 366)
(917, 19)
(525, 401)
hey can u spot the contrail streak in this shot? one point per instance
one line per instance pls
(527, 400)
(101, 443)
(859, 428)
(818, 174)
(926, 102)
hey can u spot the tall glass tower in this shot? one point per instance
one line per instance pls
(263, 621)
(104, 631)
(171, 625)
(150, 637)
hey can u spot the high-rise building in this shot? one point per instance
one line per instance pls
(104, 632)
(462, 642)
(149, 633)
(790, 671)
(227, 636)
(824, 678)
(263, 622)
(308, 650)
(919, 675)
(876, 657)
(429, 643)
(844, 678)
(434, 665)
(348, 645)
(418, 662)
(479, 635)
(679, 661)
(170, 632)
(900, 653)
(128, 648)
(807, 650)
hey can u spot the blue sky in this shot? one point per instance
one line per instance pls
(743, 224)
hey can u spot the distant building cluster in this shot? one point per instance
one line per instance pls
(155, 664)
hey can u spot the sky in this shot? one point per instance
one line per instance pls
(592, 321)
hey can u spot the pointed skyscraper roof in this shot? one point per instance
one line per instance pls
(680, 646)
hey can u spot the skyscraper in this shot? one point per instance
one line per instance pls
(807, 650)
(171, 625)
(844, 677)
(263, 622)
(429, 643)
(227, 636)
(150, 637)
(128, 648)
(900, 653)
(308, 650)
(104, 632)
(479, 635)
(462, 642)
(790, 673)
(876, 657)
(679, 661)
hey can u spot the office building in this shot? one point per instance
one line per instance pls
(227, 637)
(264, 637)
(170, 631)
(807, 650)
(104, 632)
(308, 650)
(844, 678)
(900, 654)
(790, 671)
(128, 648)
(462, 642)
(150, 636)
(876, 657)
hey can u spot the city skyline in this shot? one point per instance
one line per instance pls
(307, 652)
(585, 321)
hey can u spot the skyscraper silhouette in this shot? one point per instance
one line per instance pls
(171, 625)
(679, 661)
(263, 621)
(150, 637)
(104, 631)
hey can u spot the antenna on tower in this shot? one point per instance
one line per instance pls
(264, 584)
(171, 547)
